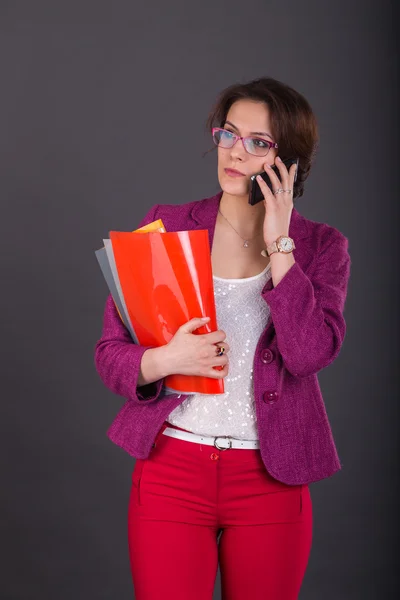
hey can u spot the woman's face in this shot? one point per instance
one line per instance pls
(244, 118)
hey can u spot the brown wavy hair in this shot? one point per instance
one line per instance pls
(294, 125)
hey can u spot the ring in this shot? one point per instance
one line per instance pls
(281, 191)
(220, 350)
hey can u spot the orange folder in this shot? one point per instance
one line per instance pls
(166, 279)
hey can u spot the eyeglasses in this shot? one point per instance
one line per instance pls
(253, 145)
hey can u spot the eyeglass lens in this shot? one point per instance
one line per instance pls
(253, 145)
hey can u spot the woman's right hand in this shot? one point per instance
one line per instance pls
(195, 354)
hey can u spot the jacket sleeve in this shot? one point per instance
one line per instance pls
(307, 312)
(118, 358)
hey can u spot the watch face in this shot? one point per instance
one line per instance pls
(286, 244)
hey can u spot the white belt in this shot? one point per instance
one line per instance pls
(224, 441)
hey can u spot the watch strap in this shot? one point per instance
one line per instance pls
(272, 248)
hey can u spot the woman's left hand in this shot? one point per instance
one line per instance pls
(278, 207)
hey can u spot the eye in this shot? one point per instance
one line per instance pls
(259, 143)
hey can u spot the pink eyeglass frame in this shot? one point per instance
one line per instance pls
(248, 137)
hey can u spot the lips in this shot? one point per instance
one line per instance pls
(234, 173)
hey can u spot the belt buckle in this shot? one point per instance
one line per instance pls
(224, 437)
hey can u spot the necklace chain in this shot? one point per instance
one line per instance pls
(246, 241)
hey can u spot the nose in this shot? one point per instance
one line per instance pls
(237, 151)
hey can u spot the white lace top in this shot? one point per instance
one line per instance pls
(242, 313)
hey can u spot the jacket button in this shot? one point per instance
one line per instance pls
(270, 397)
(267, 356)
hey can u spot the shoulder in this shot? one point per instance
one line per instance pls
(173, 214)
(176, 210)
(323, 236)
(181, 215)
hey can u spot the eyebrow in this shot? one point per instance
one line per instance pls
(252, 132)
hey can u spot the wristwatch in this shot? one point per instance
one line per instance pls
(283, 244)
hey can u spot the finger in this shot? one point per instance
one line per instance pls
(217, 361)
(266, 191)
(288, 196)
(226, 346)
(217, 374)
(194, 324)
(292, 175)
(272, 175)
(217, 347)
(283, 172)
(223, 342)
(214, 337)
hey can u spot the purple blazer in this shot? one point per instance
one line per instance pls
(303, 335)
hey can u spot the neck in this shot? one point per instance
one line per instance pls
(247, 219)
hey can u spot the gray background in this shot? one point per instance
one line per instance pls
(83, 86)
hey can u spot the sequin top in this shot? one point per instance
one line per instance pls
(242, 313)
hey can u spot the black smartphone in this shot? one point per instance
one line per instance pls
(256, 194)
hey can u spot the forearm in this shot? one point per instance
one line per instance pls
(309, 335)
(280, 265)
(307, 311)
(153, 366)
(118, 361)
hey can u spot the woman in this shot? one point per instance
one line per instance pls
(225, 479)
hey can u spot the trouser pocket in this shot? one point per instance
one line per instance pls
(137, 478)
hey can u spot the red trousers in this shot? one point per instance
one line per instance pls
(193, 507)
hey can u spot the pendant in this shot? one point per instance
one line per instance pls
(246, 244)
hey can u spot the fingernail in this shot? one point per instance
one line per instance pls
(205, 318)
(268, 166)
(279, 158)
